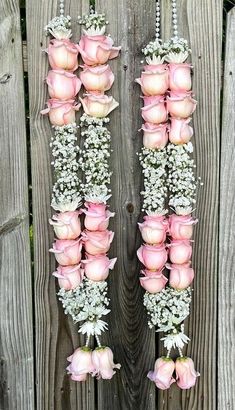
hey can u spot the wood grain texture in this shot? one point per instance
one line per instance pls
(226, 290)
(16, 325)
(133, 343)
(201, 23)
(56, 337)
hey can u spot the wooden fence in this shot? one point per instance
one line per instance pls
(36, 336)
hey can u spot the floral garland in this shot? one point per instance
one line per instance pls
(166, 86)
(82, 282)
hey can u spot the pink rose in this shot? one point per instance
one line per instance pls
(153, 229)
(62, 85)
(97, 49)
(181, 276)
(98, 105)
(186, 374)
(162, 375)
(154, 80)
(61, 112)
(181, 104)
(69, 277)
(180, 251)
(153, 282)
(81, 364)
(63, 54)
(155, 136)
(98, 242)
(97, 267)
(153, 257)
(97, 217)
(66, 225)
(180, 77)
(180, 131)
(98, 78)
(154, 110)
(67, 252)
(102, 359)
(181, 226)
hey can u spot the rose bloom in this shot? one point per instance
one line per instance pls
(180, 131)
(98, 49)
(153, 229)
(181, 226)
(67, 252)
(153, 257)
(96, 216)
(155, 136)
(98, 78)
(98, 105)
(181, 276)
(153, 282)
(180, 77)
(186, 375)
(98, 242)
(62, 85)
(181, 104)
(154, 110)
(66, 225)
(63, 55)
(102, 359)
(154, 80)
(162, 375)
(97, 267)
(180, 251)
(81, 364)
(61, 112)
(69, 277)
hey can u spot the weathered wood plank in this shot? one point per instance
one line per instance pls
(56, 336)
(131, 26)
(16, 327)
(226, 300)
(201, 23)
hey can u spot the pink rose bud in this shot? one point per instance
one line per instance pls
(98, 242)
(180, 77)
(153, 282)
(181, 104)
(61, 112)
(180, 251)
(181, 226)
(96, 50)
(99, 78)
(69, 277)
(154, 110)
(153, 257)
(155, 136)
(186, 375)
(63, 55)
(97, 217)
(67, 252)
(62, 85)
(66, 225)
(97, 267)
(153, 229)
(98, 105)
(102, 359)
(81, 364)
(154, 80)
(181, 276)
(180, 131)
(162, 375)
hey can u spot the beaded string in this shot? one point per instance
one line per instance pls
(174, 18)
(158, 17)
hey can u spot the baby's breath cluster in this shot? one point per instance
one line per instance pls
(59, 27)
(93, 22)
(177, 45)
(174, 50)
(155, 190)
(154, 52)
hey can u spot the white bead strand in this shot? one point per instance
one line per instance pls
(174, 18)
(158, 17)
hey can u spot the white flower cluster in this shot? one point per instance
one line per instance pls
(154, 52)
(87, 303)
(95, 23)
(59, 27)
(94, 159)
(155, 190)
(67, 185)
(168, 308)
(175, 339)
(181, 180)
(174, 50)
(177, 45)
